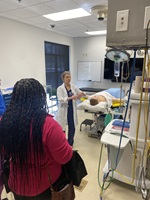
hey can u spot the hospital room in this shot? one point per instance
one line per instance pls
(84, 78)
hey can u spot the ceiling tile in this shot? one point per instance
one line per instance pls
(44, 1)
(29, 2)
(9, 16)
(13, 3)
(30, 12)
(100, 25)
(41, 9)
(47, 26)
(85, 20)
(39, 19)
(4, 6)
(69, 22)
(62, 5)
(90, 2)
(26, 21)
(22, 13)
(23, 2)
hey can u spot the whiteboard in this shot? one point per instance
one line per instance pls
(89, 71)
(83, 71)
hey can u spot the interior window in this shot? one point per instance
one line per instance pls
(56, 62)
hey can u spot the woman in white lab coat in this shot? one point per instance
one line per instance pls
(67, 95)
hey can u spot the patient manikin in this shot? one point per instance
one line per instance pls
(100, 98)
(97, 99)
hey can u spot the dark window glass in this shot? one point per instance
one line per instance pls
(109, 69)
(56, 62)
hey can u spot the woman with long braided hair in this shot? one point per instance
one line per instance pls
(33, 141)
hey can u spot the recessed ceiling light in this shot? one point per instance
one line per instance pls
(69, 14)
(96, 32)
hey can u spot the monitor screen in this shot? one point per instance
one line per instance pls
(109, 69)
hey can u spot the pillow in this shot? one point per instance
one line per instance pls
(85, 105)
(115, 92)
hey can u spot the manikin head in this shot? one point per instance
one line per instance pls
(93, 102)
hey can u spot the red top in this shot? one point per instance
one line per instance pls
(57, 151)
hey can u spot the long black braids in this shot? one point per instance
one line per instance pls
(22, 123)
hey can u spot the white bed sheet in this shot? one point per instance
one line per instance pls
(85, 105)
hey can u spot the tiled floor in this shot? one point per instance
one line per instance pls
(89, 149)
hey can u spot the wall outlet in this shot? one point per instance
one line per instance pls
(147, 17)
(122, 20)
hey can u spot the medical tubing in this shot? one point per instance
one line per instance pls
(100, 158)
(123, 177)
(116, 79)
(120, 97)
(146, 102)
(131, 81)
(146, 112)
(125, 78)
(146, 116)
(146, 39)
(103, 185)
(104, 180)
(121, 135)
(133, 167)
(139, 183)
(140, 176)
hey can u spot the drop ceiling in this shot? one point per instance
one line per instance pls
(31, 11)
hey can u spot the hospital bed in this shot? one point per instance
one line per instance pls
(100, 110)
(91, 91)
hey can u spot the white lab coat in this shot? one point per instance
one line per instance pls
(61, 116)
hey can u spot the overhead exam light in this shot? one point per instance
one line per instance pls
(117, 55)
